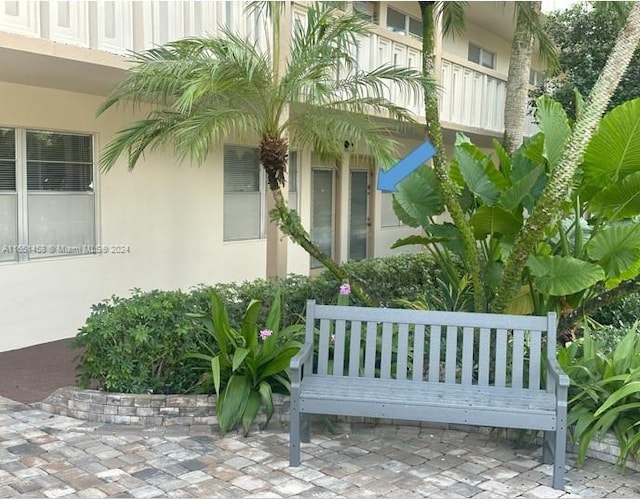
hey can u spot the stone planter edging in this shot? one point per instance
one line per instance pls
(169, 410)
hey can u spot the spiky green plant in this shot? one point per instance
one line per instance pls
(200, 90)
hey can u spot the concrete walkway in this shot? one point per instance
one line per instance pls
(42, 455)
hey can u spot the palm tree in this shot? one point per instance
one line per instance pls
(202, 89)
(559, 184)
(451, 15)
(529, 30)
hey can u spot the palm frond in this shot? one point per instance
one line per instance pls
(529, 18)
(452, 17)
(325, 130)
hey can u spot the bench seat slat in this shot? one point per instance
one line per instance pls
(377, 398)
(418, 353)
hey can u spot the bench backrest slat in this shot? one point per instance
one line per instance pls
(403, 351)
(451, 355)
(387, 339)
(518, 359)
(339, 343)
(535, 349)
(323, 347)
(484, 356)
(434, 354)
(442, 347)
(370, 352)
(467, 356)
(418, 353)
(354, 348)
(501, 358)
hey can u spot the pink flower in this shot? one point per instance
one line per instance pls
(265, 333)
(345, 289)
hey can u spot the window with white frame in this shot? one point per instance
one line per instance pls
(47, 202)
(368, 10)
(293, 180)
(388, 217)
(244, 194)
(536, 77)
(482, 56)
(402, 23)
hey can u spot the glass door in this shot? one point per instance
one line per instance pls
(359, 215)
(322, 212)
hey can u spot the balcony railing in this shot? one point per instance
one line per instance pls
(470, 96)
(120, 26)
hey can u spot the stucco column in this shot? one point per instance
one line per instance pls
(276, 241)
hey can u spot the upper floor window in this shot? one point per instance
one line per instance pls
(399, 22)
(482, 56)
(536, 77)
(368, 10)
(47, 203)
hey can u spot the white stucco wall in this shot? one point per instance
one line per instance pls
(169, 216)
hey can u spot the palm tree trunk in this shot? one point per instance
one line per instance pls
(440, 165)
(546, 210)
(515, 108)
(289, 223)
(273, 157)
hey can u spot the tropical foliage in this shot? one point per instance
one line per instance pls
(201, 90)
(585, 34)
(245, 366)
(469, 184)
(605, 392)
(594, 246)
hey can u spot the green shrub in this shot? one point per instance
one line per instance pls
(136, 344)
(245, 367)
(620, 314)
(605, 391)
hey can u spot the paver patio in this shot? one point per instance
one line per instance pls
(42, 455)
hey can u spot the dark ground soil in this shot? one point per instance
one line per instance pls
(30, 374)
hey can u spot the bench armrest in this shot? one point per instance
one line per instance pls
(561, 379)
(298, 361)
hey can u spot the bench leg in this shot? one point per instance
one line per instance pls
(305, 424)
(560, 448)
(294, 434)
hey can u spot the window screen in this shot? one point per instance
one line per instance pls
(396, 20)
(293, 180)
(7, 160)
(415, 27)
(242, 193)
(59, 162)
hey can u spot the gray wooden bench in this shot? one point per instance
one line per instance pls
(445, 367)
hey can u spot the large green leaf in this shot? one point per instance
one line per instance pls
(475, 177)
(616, 248)
(231, 404)
(267, 399)
(493, 220)
(275, 314)
(554, 123)
(628, 389)
(238, 357)
(620, 201)
(419, 197)
(562, 275)
(416, 239)
(250, 324)
(614, 151)
(250, 412)
(511, 198)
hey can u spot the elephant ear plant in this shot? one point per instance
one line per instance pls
(246, 366)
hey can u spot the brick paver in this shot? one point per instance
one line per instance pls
(55, 456)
